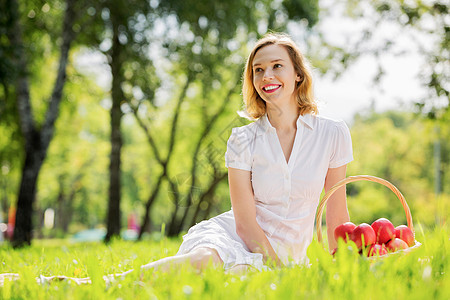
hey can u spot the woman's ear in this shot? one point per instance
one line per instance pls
(299, 78)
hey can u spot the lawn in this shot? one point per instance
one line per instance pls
(419, 274)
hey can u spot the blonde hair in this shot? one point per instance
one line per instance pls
(255, 106)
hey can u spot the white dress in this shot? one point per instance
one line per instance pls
(286, 193)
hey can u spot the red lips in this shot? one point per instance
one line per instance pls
(271, 88)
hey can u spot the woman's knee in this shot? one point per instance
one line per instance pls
(201, 257)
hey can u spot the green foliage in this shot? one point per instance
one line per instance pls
(397, 147)
(419, 274)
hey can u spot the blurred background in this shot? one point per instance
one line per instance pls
(114, 115)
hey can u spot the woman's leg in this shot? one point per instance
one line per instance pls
(198, 258)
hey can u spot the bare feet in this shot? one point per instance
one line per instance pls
(41, 280)
(8, 276)
(47, 280)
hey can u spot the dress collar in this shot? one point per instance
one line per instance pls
(306, 119)
(264, 125)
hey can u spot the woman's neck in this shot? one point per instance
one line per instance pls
(283, 118)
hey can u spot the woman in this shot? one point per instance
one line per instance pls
(277, 168)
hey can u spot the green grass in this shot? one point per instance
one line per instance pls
(419, 274)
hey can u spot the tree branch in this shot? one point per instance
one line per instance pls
(68, 36)
(150, 138)
(181, 98)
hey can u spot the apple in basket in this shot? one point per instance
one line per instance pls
(396, 244)
(377, 250)
(384, 230)
(343, 231)
(363, 233)
(404, 233)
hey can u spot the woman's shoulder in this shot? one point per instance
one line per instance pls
(240, 147)
(248, 130)
(327, 123)
(242, 139)
(335, 130)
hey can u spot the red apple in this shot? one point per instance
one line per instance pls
(377, 250)
(343, 231)
(396, 244)
(384, 230)
(403, 232)
(363, 232)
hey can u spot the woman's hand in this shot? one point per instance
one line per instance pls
(243, 202)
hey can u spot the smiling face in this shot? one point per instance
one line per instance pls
(291, 79)
(274, 76)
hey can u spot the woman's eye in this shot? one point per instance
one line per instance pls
(258, 70)
(276, 66)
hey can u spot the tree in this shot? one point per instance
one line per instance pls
(116, 62)
(36, 139)
(125, 49)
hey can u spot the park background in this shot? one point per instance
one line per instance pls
(114, 115)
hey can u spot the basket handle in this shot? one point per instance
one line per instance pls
(349, 179)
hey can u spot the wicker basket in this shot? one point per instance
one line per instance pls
(349, 179)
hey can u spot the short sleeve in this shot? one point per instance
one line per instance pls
(342, 152)
(238, 153)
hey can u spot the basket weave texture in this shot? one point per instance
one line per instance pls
(349, 179)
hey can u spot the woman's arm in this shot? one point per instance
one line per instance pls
(337, 212)
(242, 200)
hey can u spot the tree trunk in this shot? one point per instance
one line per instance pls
(148, 205)
(174, 224)
(27, 193)
(36, 141)
(68, 208)
(113, 219)
(4, 205)
(60, 205)
(68, 214)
